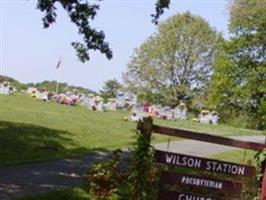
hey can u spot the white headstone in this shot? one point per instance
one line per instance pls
(111, 104)
(206, 117)
(180, 112)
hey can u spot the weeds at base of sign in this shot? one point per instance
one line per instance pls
(139, 181)
(260, 162)
(104, 177)
(249, 190)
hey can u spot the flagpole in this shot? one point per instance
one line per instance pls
(57, 82)
(1, 38)
(58, 74)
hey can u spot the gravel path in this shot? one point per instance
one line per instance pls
(44, 176)
(47, 176)
(198, 148)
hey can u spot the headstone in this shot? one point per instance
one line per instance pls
(6, 88)
(31, 89)
(165, 113)
(137, 116)
(111, 104)
(215, 118)
(180, 112)
(121, 103)
(99, 106)
(207, 117)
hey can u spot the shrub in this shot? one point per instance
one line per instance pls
(105, 177)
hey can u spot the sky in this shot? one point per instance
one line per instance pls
(30, 53)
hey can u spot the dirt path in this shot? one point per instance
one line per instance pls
(47, 176)
(44, 176)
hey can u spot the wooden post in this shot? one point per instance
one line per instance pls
(145, 126)
(142, 161)
(263, 185)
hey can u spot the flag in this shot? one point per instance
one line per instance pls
(59, 63)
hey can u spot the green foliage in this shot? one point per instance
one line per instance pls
(19, 86)
(110, 89)
(80, 13)
(238, 82)
(262, 113)
(105, 178)
(260, 163)
(146, 95)
(173, 61)
(63, 87)
(142, 177)
(160, 6)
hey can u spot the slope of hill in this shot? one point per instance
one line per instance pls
(35, 130)
(49, 85)
(15, 83)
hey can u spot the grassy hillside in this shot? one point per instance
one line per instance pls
(34, 130)
(15, 83)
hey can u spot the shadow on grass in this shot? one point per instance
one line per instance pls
(77, 193)
(25, 143)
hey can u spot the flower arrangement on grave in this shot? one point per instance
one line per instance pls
(205, 112)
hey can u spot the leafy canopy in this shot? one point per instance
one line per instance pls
(240, 72)
(174, 60)
(81, 13)
(110, 89)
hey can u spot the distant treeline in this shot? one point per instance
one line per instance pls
(49, 85)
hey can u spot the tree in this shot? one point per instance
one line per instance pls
(239, 78)
(81, 13)
(110, 89)
(175, 60)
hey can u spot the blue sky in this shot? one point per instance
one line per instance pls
(30, 54)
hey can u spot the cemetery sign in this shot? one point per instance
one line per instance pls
(199, 185)
(210, 165)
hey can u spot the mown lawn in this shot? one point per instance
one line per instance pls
(75, 193)
(237, 156)
(34, 130)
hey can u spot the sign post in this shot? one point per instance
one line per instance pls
(263, 187)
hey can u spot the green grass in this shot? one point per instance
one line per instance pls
(75, 193)
(222, 129)
(237, 156)
(35, 131)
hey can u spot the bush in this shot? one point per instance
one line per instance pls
(111, 179)
(105, 177)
